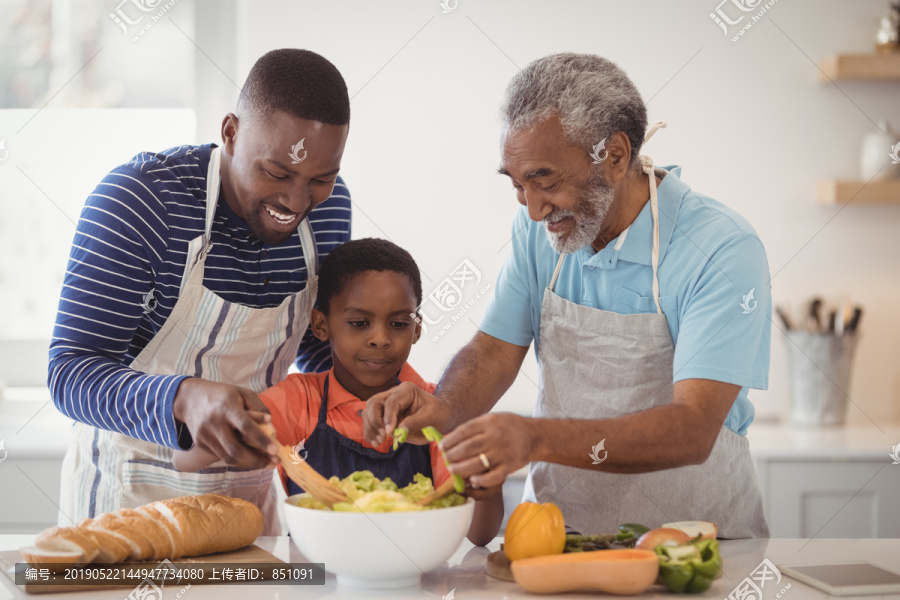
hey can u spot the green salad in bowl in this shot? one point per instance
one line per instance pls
(367, 493)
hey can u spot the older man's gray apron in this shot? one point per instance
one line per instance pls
(596, 364)
(208, 337)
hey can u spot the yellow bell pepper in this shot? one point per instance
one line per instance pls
(534, 530)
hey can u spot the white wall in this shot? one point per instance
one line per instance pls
(749, 122)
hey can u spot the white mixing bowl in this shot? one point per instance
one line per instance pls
(379, 550)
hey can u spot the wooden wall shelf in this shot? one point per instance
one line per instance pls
(876, 192)
(860, 66)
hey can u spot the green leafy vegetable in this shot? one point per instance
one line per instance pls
(367, 493)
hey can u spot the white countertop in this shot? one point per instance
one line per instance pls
(465, 574)
(872, 441)
(31, 426)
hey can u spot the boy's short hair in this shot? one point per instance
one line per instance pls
(367, 254)
(298, 82)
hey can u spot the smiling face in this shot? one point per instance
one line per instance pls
(370, 330)
(260, 180)
(556, 181)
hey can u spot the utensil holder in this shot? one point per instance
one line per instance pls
(819, 365)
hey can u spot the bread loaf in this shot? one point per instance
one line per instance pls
(174, 528)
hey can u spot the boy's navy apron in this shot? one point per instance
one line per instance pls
(330, 453)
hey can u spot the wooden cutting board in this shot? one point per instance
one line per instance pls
(498, 566)
(247, 554)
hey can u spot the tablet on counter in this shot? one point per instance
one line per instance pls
(845, 579)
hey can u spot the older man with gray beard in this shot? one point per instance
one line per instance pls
(649, 306)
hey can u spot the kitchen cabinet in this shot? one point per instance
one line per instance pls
(831, 482)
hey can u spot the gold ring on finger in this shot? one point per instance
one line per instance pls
(485, 461)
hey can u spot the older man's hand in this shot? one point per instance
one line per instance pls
(506, 441)
(406, 405)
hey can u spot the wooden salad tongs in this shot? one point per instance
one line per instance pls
(441, 491)
(304, 475)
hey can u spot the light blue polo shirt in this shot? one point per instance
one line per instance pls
(710, 261)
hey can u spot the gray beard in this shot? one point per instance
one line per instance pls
(590, 210)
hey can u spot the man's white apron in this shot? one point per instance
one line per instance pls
(596, 364)
(207, 337)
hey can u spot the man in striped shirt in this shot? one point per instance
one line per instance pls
(280, 159)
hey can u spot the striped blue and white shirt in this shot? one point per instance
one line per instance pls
(123, 277)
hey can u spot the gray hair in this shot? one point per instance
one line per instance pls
(592, 96)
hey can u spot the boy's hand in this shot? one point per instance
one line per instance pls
(482, 493)
(406, 405)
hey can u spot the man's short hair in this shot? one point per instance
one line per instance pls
(298, 82)
(367, 254)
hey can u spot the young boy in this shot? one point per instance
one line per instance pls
(367, 291)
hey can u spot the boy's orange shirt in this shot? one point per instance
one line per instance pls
(295, 402)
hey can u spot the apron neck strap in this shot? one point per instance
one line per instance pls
(323, 411)
(213, 185)
(653, 129)
(556, 271)
(647, 167)
(310, 250)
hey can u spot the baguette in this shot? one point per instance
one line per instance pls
(174, 528)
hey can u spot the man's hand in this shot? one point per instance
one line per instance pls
(505, 440)
(217, 416)
(406, 405)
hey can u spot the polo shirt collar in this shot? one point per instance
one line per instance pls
(639, 238)
(338, 395)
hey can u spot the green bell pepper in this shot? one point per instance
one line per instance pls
(400, 434)
(636, 528)
(433, 435)
(691, 567)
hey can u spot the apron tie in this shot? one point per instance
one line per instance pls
(647, 167)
